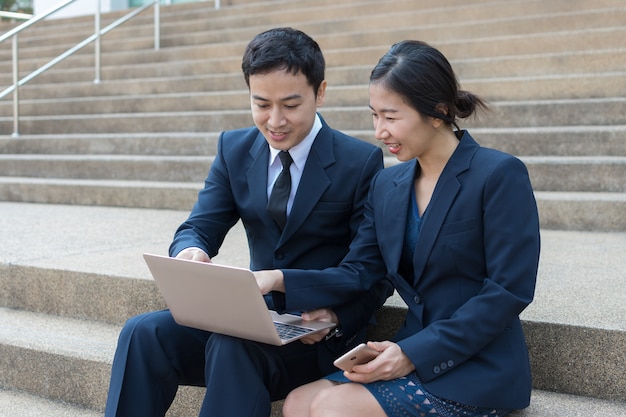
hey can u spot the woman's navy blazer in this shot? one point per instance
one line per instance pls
(474, 271)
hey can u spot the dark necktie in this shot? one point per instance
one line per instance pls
(277, 204)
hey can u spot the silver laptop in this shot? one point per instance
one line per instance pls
(224, 299)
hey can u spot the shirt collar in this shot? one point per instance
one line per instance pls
(300, 152)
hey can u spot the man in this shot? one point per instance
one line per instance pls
(330, 175)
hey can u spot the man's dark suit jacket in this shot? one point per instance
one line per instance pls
(474, 271)
(325, 216)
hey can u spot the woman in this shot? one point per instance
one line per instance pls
(455, 228)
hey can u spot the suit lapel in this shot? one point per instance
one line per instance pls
(257, 177)
(313, 183)
(314, 180)
(395, 209)
(444, 194)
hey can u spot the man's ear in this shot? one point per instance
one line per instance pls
(321, 94)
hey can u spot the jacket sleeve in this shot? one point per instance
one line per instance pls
(213, 214)
(358, 314)
(357, 273)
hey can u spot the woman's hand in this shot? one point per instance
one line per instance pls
(392, 363)
(270, 280)
(194, 254)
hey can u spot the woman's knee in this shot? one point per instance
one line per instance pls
(298, 402)
(344, 400)
(322, 403)
(295, 405)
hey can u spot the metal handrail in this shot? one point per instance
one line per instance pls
(13, 33)
(15, 15)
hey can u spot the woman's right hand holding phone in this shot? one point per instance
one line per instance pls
(390, 364)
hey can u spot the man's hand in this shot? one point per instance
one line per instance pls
(270, 280)
(194, 254)
(322, 314)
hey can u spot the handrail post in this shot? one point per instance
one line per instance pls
(16, 81)
(96, 37)
(97, 45)
(157, 25)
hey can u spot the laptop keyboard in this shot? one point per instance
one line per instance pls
(287, 331)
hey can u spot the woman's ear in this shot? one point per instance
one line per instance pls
(443, 110)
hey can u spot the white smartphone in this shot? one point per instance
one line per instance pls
(358, 355)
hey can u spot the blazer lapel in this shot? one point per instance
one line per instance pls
(395, 210)
(257, 177)
(394, 215)
(444, 194)
(314, 180)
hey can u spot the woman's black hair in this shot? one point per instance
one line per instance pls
(424, 77)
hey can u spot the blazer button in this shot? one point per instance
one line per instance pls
(417, 299)
(450, 363)
(280, 255)
(436, 369)
(443, 366)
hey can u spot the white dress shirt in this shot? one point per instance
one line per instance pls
(299, 154)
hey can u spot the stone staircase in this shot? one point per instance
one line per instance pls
(116, 167)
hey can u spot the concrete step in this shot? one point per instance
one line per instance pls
(550, 404)
(486, 18)
(138, 33)
(519, 141)
(528, 113)
(490, 17)
(579, 173)
(563, 140)
(63, 364)
(544, 404)
(109, 167)
(124, 144)
(207, 82)
(21, 404)
(564, 64)
(79, 353)
(211, 92)
(56, 358)
(241, 8)
(126, 193)
(547, 173)
(510, 114)
(581, 86)
(349, 48)
(68, 289)
(591, 211)
(554, 72)
(558, 210)
(511, 19)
